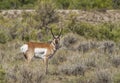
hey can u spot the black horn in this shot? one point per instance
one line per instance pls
(60, 32)
(52, 33)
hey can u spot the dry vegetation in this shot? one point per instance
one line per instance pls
(88, 54)
(77, 61)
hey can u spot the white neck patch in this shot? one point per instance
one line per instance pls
(24, 48)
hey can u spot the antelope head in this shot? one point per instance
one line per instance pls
(56, 39)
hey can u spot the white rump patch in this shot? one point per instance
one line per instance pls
(40, 52)
(24, 48)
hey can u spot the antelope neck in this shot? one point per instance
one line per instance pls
(54, 46)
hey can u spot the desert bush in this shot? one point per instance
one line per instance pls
(2, 56)
(103, 76)
(90, 62)
(70, 41)
(107, 47)
(46, 14)
(74, 42)
(59, 58)
(10, 52)
(73, 69)
(84, 47)
(75, 79)
(24, 74)
(63, 65)
(87, 45)
(74, 65)
(93, 59)
(116, 60)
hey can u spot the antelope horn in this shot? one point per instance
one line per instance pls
(52, 33)
(60, 32)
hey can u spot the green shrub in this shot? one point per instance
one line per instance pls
(116, 4)
(116, 78)
(4, 37)
(103, 31)
(15, 4)
(2, 75)
(84, 29)
(62, 4)
(83, 4)
(46, 14)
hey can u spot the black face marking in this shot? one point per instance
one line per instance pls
(56, 42)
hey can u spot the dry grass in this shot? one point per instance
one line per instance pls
(93, 62)
(103, 76)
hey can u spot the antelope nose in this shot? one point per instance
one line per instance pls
(57, 46)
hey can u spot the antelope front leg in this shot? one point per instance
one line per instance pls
(46, 65)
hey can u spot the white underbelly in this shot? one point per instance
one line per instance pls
(40, 52)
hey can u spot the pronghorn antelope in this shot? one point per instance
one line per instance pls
(41, 50)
